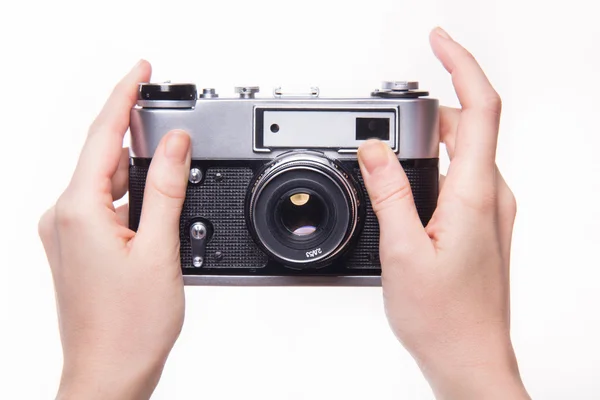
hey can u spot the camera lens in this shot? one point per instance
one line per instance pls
(302, 213)
(303, 209)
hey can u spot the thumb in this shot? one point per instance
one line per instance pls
(165, 192)
(401, 230)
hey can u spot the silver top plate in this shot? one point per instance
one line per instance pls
(223, 128)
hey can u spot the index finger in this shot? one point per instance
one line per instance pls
(477, 135)
(101, 153)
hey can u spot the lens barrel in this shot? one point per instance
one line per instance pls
(304, 209)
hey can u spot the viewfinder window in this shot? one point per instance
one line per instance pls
(372, 128)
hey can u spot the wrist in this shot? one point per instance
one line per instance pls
(109, 380)
(481, 383)
(487, 370)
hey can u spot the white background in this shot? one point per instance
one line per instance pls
(60, 59)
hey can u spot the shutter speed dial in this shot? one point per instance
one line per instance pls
(400, 86)
(399, 89)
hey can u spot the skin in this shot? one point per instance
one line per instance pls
(446, 286)
(120, 296)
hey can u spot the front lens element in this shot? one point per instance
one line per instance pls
(300, 199)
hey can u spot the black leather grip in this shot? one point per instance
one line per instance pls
(220, 198)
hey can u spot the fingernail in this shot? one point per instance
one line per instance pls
(178, 146)
(440, 32)
(137, 64)
(374, 154)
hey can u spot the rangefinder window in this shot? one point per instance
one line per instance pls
(372, 128)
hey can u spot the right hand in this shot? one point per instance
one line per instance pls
(446, 286)
(119, 294)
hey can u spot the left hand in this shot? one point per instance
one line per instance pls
(119, 293)
(446, 287)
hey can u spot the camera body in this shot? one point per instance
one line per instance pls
(275, 194)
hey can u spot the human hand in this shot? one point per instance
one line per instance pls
(446, 286)
(119, 293)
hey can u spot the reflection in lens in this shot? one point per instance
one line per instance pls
(302, 213)
(305, 230)
(300, 199)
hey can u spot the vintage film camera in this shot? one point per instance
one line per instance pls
(275, 194)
